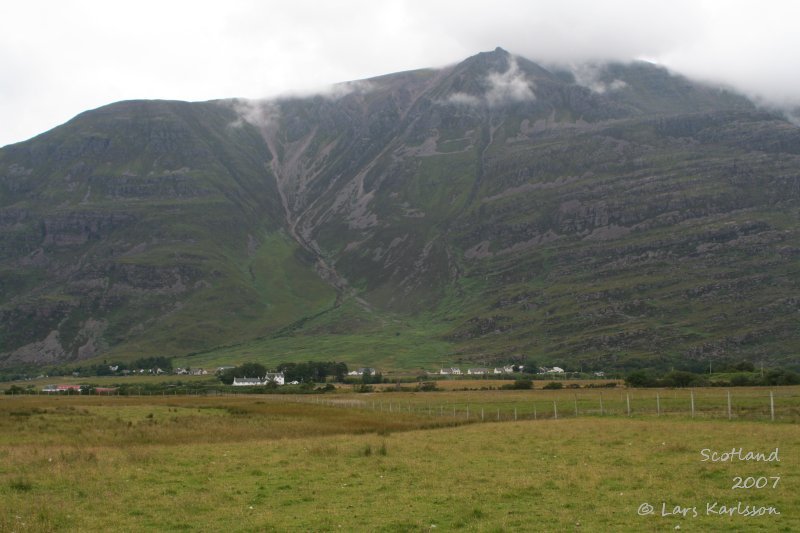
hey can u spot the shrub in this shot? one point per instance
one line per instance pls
(744, 366)
(639, 378)
(781, 377)
(679, 378)
(554, 385)
(742, 380)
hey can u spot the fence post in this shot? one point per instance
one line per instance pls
(658, 405)
(691, 395)
(498, 413)
(481, 414)
(729, 406)
(555, 410)
(515, 414)
(771, 406)
(467, 411)
(534, 412)
(601, 404)
(576, 405)
(628, 396)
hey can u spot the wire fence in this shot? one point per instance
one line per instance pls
(739, 404)
(755, 404)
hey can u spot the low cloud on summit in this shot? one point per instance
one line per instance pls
(59, 59)
(504, 87)
(509, 86)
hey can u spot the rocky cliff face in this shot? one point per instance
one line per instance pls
(610, 214)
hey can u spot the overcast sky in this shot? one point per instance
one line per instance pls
(58, 58)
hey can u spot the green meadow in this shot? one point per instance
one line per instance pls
(399, 461)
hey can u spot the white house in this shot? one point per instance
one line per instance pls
(477, 371)
(247, 382)
(276, 378)
(363, 372)
(450, 371)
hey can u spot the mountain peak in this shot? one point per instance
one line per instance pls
(498, 56)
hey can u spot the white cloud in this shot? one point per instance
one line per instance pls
(262, 114)
(508, 86)
(501, 88)
(754, 48)
(340, 90)
(589, 75)
(463, 99)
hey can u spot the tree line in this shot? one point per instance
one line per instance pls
(742, 375)
(308, 372)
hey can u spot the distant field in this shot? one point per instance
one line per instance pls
(38, 383)
(392, 462)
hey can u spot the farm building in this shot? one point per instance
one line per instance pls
(62, 388)
(363, 372)
(276, 378)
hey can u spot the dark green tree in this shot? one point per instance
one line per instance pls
(639, 378)
(679, 378)
(247, 370)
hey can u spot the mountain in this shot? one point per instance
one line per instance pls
(602, 216)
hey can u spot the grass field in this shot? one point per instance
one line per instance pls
(344, 462)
